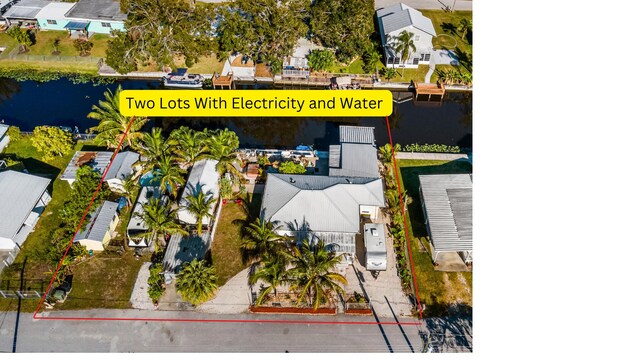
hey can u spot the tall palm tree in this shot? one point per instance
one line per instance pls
(260, 238)
(113, 125)
(222, 146)
(200, 204)
(129, 186)
(152, 148)
(169, 175)
(160, 219)
(196, 281)
(272, 272)
(404, 45)
(313, 273)
(190, 146)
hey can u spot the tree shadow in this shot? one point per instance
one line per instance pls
(449, 28)
(90, 147)
(450, 333)
(464, 59)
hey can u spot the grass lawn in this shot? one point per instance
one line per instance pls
(446, 23)
(103, 281)
(438, 290)
(416, 75)
(45, 39)
(225, 250)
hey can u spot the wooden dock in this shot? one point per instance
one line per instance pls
(429, 92)
(222, 81)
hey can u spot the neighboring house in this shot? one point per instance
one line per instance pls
(23, 198)
(52, 16)
(24, 12)
(100, 227)
(204, 177)
(96, 16)
(97, 160)
(329, 207)
(4, 137)
(137, 229)
(298, 64)
(397, 18)
(446, 203)
(121, 168)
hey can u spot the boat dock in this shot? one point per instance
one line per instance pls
(429, 92)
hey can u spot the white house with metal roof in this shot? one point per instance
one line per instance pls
(205, 178)
(23, 198)
(24, 12)
(121, 167)
(52, 16)
(397, 18)
(446, 203)
(100, 228)
(4, 137)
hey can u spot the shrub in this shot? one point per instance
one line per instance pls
(437, 148)
(289, 167)
(155, 282)
(14, 133)
(83, 46)
(51, 141)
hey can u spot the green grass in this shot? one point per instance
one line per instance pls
(438, 290)
(44, 44)
(442, 21)
(225, 250)
(416, 75)
(103, 281)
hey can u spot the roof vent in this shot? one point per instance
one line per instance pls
(348, 181)
(291, 180)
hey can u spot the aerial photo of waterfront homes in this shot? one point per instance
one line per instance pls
(227, 224)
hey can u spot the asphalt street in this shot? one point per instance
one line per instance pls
(172, 336)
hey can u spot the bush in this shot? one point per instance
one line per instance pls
(51, 141)
(14, 133)
(321, 60)
(156, 280)
(437, 148)
(289, 167)
(83, 46)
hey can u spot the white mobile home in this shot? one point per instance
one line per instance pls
(100, 228)
(204, 177)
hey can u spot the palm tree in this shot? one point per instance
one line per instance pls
(113, 125)
(200, 205)
(222, 146)
(160, 219)
(129, 187)
(260, 238)
(386, 152)
(273, 272)
(404, 45)
(152, 148)
(312, 273)
(191, 146)
(196, 282)
(169, 175)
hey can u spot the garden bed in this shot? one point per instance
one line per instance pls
(358, 311)
(292, 310)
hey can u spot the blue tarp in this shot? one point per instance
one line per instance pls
(76, 25)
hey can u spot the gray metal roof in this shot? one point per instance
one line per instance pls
(356, 160)
(183, 249)
(19, 194)
(334, 241)
(26, 9)
(54, 10)
(122, 165)
(108, 10)
(100, 161)
(99, 223)
(357, 134)
(323, 203)
(447, 200)
(400, 16)
(3, 130)
(203, 177)
(334, 156)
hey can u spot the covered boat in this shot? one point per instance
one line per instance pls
(180, 79)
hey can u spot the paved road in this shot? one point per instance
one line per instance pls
(416, 4)
(150, 336)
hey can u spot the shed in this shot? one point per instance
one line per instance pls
(447, 206)
(100, 228)
(375, 247)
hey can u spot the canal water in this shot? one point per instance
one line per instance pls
(61, 103)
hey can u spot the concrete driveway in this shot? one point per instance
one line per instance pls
(385, 293)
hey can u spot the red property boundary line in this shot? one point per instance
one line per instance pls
(37, 316)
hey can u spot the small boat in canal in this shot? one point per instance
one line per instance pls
(180, 79)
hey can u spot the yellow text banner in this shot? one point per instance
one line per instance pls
(256, 103)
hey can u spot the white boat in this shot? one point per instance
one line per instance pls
(180, 79)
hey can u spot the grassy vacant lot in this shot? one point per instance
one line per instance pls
(44, 44)
(438, 290)
(103, 281)
(225, 250)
